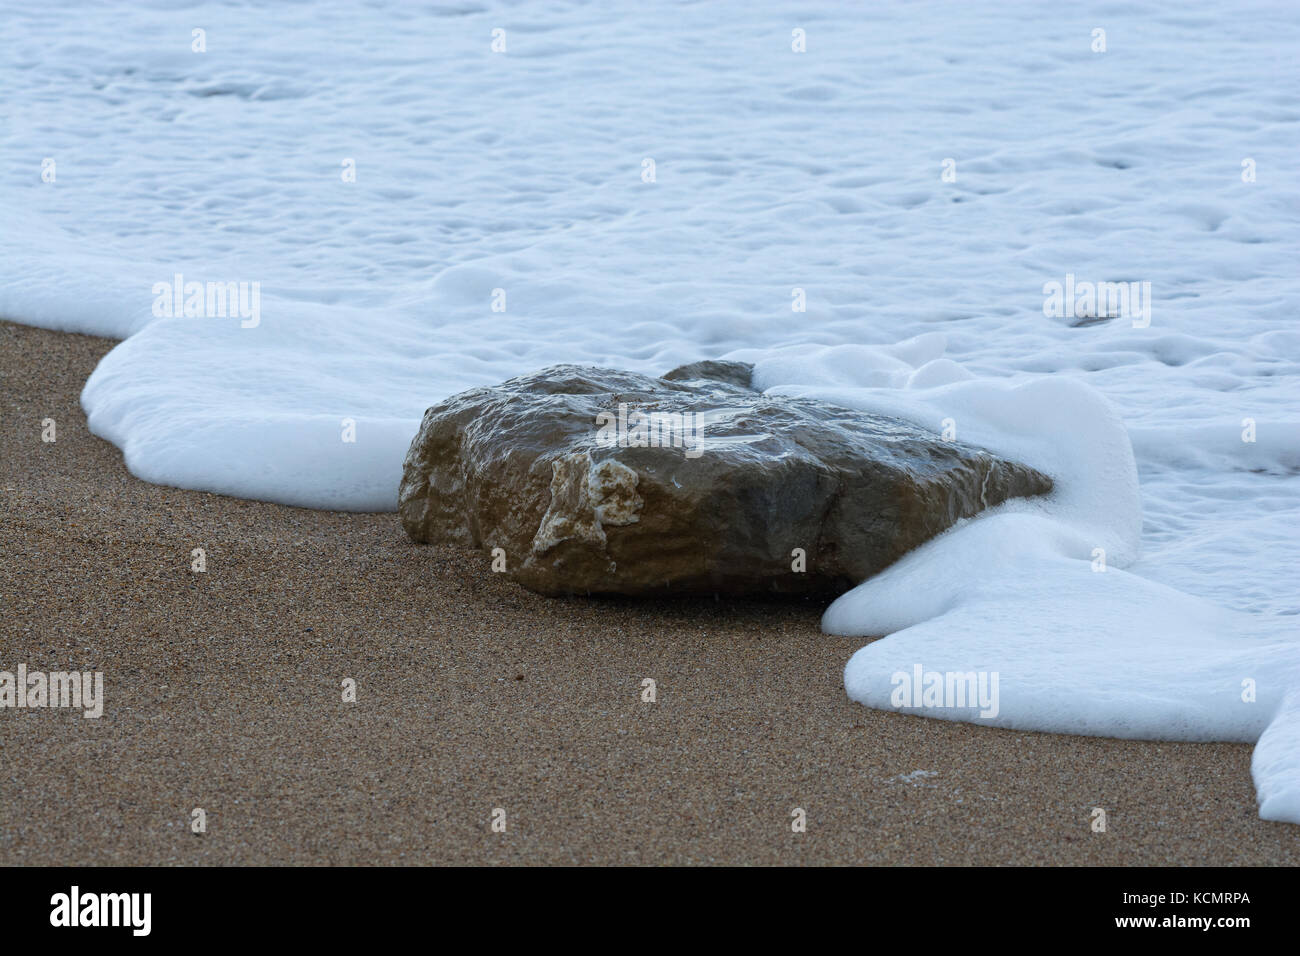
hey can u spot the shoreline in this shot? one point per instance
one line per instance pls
(222, 693)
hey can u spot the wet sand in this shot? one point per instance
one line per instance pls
(223, 693)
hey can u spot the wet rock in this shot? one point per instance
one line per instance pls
(597, 481)
(731, 373)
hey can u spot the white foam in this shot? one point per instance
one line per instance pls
(1035, 591)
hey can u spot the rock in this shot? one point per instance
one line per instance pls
(599, 481)
(732, 373)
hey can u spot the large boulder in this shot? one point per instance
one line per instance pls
(596, 481)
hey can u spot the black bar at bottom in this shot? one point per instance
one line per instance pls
(298, 905)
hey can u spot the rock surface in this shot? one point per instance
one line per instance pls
(598, 481)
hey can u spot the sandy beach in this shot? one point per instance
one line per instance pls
(223, 693)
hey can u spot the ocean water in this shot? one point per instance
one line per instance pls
(868, 201)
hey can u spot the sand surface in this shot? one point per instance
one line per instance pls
(223, 692)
